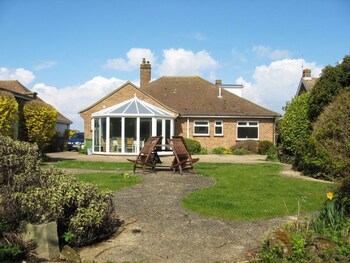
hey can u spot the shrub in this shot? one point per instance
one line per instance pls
(193, 146)
(240, 152)
(326, 154)
(16, 158)
(332, 134)
(272, 154)
(264, 146)
(248, 146)
(40, 196)
(219, 150)
(8, 114)
(333, 81)
(295, 126)
(40, 121)
(310, 159)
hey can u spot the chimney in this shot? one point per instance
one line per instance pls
(218, 83)
(145, 73)
(307, 73)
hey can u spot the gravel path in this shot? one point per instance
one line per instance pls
(158, 229)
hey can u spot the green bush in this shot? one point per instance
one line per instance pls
(219, 150)
(40, 196)
(272, 154)
(294, 127)
(309, 159)
(193, 146)
(264, 146)
(326, 153)
(333, 81)
(248, 146)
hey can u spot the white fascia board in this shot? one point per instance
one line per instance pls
(229, 117)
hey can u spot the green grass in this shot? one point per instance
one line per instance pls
(253, 191)
(242, 191)
(109, 181)
(116, 166)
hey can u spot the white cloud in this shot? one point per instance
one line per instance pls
(72, 99)
(22, 75)
(198, 36)
(267, 52)
(274, 84)
(134, 58)
(45, 65)
(185, 62)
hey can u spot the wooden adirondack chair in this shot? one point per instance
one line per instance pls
(146, 156)
(183, 159)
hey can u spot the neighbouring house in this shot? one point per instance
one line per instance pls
(23, 95)
(193, 107)
(306, 83)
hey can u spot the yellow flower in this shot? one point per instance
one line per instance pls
(330, 195)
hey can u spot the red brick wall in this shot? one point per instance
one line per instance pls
(229, 137)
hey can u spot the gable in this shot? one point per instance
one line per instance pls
(123, 93)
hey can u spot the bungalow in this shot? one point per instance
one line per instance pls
(23, 95)
(195, 108)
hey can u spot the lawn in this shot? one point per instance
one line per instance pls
(241, 192)
(109, 181)
(252, 191)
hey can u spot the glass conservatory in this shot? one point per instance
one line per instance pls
(123, 128)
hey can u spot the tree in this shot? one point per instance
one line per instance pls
(333, 81)
(332, 134)
(8, 114)
(40, 121)
(295, 126)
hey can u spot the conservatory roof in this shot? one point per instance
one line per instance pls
(133, 107)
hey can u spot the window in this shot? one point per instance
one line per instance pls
(201, 128)
(248, 130)
(218, 128)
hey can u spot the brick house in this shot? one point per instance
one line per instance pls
(192, 107)
(22, 96)
(306, 83)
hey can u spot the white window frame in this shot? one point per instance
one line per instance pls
(219, 124)
(195, 125)
(247, 125)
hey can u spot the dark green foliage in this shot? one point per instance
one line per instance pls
(332, 134)
(193, 146)
(219, 150)
(310, 160)
(295, 126)
(248, 146)
(34, 195)
(272, 154)
(333, 81)
(343, 195)
(326, 154)
(264, 146)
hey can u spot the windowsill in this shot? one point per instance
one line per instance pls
(248, 139)
(201, 135)
(218, 135)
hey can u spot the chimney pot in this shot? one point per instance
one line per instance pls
(307, 73)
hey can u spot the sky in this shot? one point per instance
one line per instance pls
(74, 52)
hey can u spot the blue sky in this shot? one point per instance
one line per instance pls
(74, 52)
